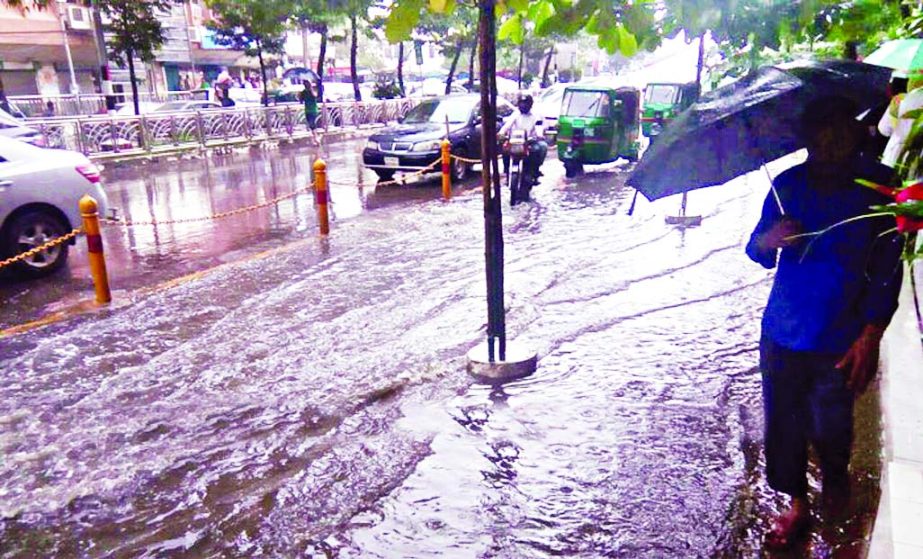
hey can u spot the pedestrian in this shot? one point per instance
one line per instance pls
(897, 121)
(832, 298)
(309, 98)
(49, 109)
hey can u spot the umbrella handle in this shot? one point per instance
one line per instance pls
(775, 193)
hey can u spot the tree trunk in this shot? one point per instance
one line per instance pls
(353, 51)
(321, 56)
(700, 64)
(547, 65)
(259, 54)
(522, 50)
(455, 57)
(400, 68)
(304, 44)
(474, 49)
(134, 81)
(490, 175)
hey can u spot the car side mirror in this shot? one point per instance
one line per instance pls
(477, 121)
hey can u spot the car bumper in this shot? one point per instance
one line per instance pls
(404, 161)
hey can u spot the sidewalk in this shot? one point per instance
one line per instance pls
(899, 527)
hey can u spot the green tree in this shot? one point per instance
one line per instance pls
(318, 16)
(136, 33)
(257, 27)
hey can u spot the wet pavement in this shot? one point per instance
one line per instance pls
(313, 401)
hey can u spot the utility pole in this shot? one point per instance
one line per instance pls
(105, 77)
(187, 7)
(75, 90)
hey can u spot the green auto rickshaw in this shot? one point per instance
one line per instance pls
(598, 124)
(662, 102)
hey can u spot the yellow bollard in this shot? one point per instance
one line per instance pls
(89, 210)
(446, 170)
(320, 196)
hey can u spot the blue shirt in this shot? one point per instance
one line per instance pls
(828, 287)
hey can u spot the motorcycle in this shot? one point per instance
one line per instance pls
(517, 149)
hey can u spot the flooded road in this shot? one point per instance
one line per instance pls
(185, 188)
(313, 402)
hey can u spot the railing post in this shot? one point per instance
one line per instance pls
(446, 169)
(113, 135)
(200, 129)
(174, 135)
(89, 210)
(321, 196)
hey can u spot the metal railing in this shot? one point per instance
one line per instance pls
(34, 106)
(155, 132)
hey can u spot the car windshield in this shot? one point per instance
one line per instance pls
(586, 103)
(171, 106)
(661, 94)
(437, 111)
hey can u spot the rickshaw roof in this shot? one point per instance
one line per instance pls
(599, 88)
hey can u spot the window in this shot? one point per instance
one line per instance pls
(586, 104)
(661, 94)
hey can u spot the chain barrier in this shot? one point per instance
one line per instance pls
(220, 215)
(402, 180)
(41, 248)
(464, 159)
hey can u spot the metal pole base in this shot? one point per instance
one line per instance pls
(521, 361)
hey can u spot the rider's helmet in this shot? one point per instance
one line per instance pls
(525, 104)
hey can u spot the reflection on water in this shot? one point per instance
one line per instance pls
(165, 191)
(314, 403)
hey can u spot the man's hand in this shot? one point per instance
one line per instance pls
(860, 364)
(779, 235)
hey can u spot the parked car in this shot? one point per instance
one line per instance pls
(414, 143)
(10, 127)
(187, 105)
(128, 109)
(548, 106)
(39, 193)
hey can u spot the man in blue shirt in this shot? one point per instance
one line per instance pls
(833, 296)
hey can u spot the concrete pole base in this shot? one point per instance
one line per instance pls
(521, 361)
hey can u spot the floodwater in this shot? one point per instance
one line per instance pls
(313, 402)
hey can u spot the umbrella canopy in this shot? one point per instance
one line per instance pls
(737, 128)
(300, 74)
(905, 55)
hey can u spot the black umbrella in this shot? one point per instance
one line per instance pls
(739, 127)
(299, 74)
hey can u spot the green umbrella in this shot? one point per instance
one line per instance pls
(903, 54)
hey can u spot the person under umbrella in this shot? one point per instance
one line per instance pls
(832, 298)
(897, 122)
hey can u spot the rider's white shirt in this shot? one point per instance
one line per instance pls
(530, 123)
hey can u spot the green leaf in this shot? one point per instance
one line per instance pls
(540, 11)
(628, 44)
(402, 20)
(511, 30)
(518, 6)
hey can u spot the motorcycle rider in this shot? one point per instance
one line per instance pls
(531, 124)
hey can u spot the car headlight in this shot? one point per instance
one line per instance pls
(426, 146)
(371, 144)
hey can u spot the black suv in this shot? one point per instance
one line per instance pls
(414, 143)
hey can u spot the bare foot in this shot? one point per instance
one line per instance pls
(790, 527)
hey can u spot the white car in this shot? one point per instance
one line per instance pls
(39, 194)
(10, 127)
(188, 105)
(548, 106)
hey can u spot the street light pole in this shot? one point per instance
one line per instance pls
(187, 6)
(105, 79)
(75, 89)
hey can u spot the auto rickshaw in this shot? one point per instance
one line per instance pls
(662, 102)
(598, 124)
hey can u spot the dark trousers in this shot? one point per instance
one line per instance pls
(805, 399)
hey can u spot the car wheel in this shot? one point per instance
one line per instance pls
(459, 170)
(32, 229)
(384, 175)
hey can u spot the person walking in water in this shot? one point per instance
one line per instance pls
(309, 98)
(832, 298)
